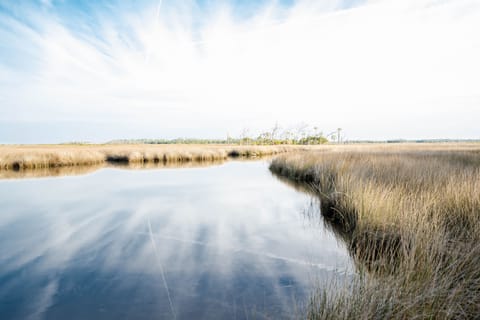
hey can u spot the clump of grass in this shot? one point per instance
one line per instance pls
(411, 220)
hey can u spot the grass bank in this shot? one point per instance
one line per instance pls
(410, 216)
(19, 157)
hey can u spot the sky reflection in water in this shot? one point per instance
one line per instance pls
(227, 241)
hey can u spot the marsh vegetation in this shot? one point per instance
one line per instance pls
(19, 157)
(410, 216)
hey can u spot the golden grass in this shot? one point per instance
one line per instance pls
(410, 215)
(18, 157)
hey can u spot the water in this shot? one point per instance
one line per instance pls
(229, 242)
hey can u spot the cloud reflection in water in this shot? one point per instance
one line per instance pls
(230, 240)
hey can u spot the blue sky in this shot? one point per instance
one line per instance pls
(101, 70)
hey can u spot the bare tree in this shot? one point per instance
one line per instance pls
(273, 133)
(244, 136)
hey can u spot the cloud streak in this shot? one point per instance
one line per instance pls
(376, 69)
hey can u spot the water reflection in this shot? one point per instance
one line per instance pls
(227, 241)
(86, 169)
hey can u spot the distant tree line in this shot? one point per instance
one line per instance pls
(284, 137)
(302, 134)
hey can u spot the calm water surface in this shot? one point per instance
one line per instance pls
(228, 241)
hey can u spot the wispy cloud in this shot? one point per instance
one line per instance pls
(374, 68)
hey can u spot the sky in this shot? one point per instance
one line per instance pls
(73, 70)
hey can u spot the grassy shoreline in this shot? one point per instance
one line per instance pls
(410, 216)
(19, 157)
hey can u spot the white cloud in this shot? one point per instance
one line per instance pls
(372, 69)
(46, 3)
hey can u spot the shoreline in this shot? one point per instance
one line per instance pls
(22, 157)
(410, 218)
(18, 157)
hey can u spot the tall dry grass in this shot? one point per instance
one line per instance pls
(410, 216)
(18, 157)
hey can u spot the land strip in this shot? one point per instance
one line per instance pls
(20, 157)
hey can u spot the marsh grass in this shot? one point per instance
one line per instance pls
(410, 216)
(23, 157)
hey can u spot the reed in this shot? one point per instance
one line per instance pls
(19, 157)
(410, 216)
